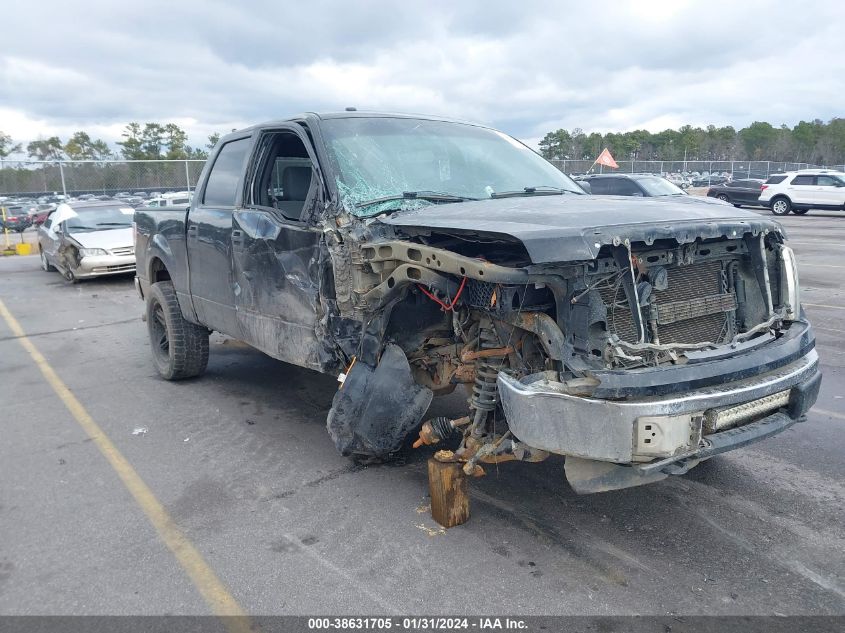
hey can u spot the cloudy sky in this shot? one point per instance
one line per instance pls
(525, 67)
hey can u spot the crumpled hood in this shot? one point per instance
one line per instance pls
(574, 227)
(112, 238)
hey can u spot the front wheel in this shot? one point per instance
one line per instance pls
(800, 211)
(45, 265)
(180, 348)
(723, 198)
(781, 206)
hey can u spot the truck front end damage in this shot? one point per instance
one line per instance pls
(636, 352)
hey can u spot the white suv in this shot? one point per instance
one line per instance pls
(800, 191)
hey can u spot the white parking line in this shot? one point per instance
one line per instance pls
(822, 305)
(806, 265)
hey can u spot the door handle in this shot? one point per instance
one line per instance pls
(192, 230)
(237, 238)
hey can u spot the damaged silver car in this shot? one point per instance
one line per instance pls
(411, 255)
(88, 239)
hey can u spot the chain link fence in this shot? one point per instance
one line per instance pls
(735, 168)
(36, 178)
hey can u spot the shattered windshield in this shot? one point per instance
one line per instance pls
(385, 164)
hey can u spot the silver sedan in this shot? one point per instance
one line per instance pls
(89, 239)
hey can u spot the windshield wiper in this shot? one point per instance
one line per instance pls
(430, 196)
(540, 190)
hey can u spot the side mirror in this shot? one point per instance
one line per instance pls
(585, 186)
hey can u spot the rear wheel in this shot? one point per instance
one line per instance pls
(800, 211)
(781, 206)
(180, 348)
(45, 265)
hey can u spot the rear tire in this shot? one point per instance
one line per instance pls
(781, 206)
(180, 348)
(45, 265)
(800, 211)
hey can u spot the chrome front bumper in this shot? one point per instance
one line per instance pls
(541, 413)
(100, 265)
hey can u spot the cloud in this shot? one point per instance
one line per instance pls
(527, 67)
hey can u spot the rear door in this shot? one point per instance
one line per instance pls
(209, 239)
(802, 190)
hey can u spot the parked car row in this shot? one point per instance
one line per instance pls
(795, 191)
(22, 213)
(642, 185)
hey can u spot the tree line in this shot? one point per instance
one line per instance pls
(813, 142)
(150, 141)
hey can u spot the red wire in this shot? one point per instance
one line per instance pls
(443, 305)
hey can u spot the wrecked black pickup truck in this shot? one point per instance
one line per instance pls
(410, 255)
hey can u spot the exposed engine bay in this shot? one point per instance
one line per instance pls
(464, 310)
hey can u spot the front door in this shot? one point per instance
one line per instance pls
(830, 191)
(277, 251)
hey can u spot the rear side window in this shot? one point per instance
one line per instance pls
(623, 187)
(804, 180)
(775, 180)
(599, 186)
(222, 185)
(827, 181)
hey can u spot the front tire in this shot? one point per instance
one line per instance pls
(723, 198)
(180, 348)
(800, 211)
(781, 206)
(46, 266)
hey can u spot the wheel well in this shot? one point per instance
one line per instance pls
(782, 196)
(158, 271)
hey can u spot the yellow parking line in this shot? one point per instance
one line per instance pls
(212, 589)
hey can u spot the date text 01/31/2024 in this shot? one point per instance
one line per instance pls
(416, 624)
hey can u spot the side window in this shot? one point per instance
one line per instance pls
(804, 180)
(624, 187)
(827, 181)
(775, 180)
(284, 177)
(49, 221)
(221, 187)
(599, 186)
(178, 201)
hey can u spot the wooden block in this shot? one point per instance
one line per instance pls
(447, 486)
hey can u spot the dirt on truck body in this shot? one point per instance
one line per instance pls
(410, 255)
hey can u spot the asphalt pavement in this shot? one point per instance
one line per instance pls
(241, 466)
